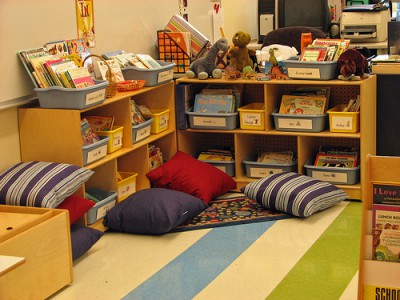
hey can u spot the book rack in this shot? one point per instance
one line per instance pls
(170, 51)
(377, 277)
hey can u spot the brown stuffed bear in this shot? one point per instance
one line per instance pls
(239, 53)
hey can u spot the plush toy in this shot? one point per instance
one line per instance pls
(205, 67)
(352, 65)
(240, 55)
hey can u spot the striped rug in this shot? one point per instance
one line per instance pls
(312, 258)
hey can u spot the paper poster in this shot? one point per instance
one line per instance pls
(85, 21)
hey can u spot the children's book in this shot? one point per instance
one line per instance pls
(386, 216)
(314, 54)
(302, 105)
(57, 48)
(80, 77)
(88, 135)
(148, 61)
(100, 123)
(78, 50)
(115, 68)
(206, 103)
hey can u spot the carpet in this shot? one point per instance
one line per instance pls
(232, 208)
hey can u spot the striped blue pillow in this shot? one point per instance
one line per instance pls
(295, 194)
(41, 184)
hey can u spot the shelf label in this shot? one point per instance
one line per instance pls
(305, 73)
(262, 172)
(126, 190)
(95, 97)
(164, 121)
(142, 133)
(342, 123)
(96, 154)
(103, 210)
(211, 122)
(117, 140)
(330, 176)
(295, 123)
(251, 119)
(165, 76)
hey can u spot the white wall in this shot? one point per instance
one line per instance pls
(119, 24)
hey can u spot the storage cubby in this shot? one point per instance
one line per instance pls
(55, 135)
(304, 144)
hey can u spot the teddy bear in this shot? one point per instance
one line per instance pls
(240, 55)
(204, 67)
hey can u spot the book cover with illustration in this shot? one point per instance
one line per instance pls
(386, 216)
(205, 103)
(302, 105)
(80, 77)
(88, 135)
(100, 123)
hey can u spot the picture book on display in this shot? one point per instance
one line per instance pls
(115, 69)
(314, 54)
(211, 103)
(216, 155)
(100, 123)
(88, 135)
(302, 105)
(281, 157)
(80, 77)
(148, 61)
(343, 157)
(386, 221)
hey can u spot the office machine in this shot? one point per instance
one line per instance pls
(365, 24)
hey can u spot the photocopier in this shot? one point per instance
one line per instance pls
(365, 23)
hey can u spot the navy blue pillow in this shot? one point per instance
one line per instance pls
(83, 238)
(153, 211)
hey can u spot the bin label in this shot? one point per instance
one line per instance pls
(295, 123)
(95, 97)
(330, 176)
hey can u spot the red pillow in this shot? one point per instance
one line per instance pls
(187, 174)
(77, 207)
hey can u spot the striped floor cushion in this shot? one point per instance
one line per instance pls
(295, 194)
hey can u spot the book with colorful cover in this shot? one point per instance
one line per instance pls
(336, 160)
(115, 68)
(386, 245)
(386, 193)
(41, 71)
(206, 103)
(50, 70)
(25, 57)
(57, 48)
(314, 54)
(80, 77)
(386, 216)
(100, 123)
(215, 155)
(302, 105)
(78, 50)
(182, 40)
(59, 68)
(88, 135)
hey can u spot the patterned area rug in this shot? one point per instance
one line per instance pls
(231, 209)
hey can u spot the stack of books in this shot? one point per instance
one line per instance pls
(342, 157)
(305, 101)
(129, 59)
(279, 157)
(136, 114)
(58, 64)
(216, 155)
(324, 50)
(155, 157)
(217, 100)
(89, 136)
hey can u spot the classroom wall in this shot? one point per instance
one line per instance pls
(119, 24)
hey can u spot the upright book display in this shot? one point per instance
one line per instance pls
(379, 275)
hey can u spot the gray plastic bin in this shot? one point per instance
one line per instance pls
(313, 70)
(152, 76)
(95, 151)
(256, 169)
(335, 175)
(108, 199)
(141, 131)
(72, 98)
(306, 123)
(212, 121)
